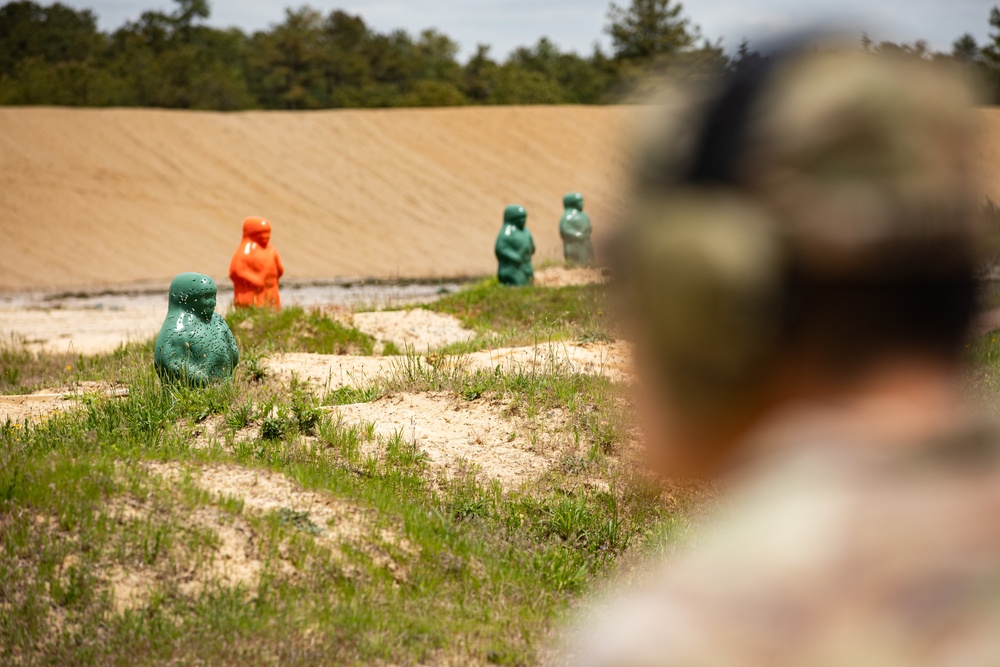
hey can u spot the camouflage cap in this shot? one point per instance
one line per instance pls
(850, 154)
(841, 164)
(861, 157)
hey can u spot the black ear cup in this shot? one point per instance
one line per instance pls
(706, 279)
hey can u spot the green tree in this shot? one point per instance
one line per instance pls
(966, 50)
(478, 75)
(311, 60)
(990, 57)
(438, 76)
(651, 38)
(745, 58)
(171, 60)
(52, 55)
(510, 84)
(991, 51)
(648, 29)
(579, 80)
(286, 66)
(918, 49)
(54, 34)
(437, 53)
(189, 10)
(346, 62)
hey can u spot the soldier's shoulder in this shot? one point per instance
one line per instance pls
(909, 542)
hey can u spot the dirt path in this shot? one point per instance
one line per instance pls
(330, 372)
(263, 491)
(73, 332)
(236, 558)
(327, 372)
(457, 434)
(557, 276)
(609, 359)
(417, 329)
(34, 408)
(39, 406)
(460, 435)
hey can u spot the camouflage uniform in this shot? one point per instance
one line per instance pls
(832, 545)
(833, 552)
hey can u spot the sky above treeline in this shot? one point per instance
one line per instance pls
(575, 25)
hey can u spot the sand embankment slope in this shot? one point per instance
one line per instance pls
(95, 197)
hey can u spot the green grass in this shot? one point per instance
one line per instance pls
(456, 570)
(443, 570)
(295, 329)
(486, 572)
(258, 332)
(529, 315)
(23, 370)
(983, 379)
(596, 408)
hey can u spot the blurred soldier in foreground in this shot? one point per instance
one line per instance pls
(256, 267)
(514, 248)
(800, 272)
(574, 228)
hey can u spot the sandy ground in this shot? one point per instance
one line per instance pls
(95, 197)
(457, 434)
(263, 491)
(327, 372)
(39, 406)
(35, 408)
(609, 359)
(85, 331)
(87, 324)
(235, 559)
(417, 329)
(330, 372)
(557, 276)
(987, 154)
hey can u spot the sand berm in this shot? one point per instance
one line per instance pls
(111, 197)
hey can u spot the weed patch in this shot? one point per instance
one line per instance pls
(527, 315)
(295, 329)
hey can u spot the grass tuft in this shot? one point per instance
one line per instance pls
(526, 315)
(294, 329)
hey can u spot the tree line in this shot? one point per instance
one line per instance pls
(57, 55)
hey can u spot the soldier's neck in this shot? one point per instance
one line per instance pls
(897, 403)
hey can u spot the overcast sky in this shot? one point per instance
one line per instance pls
(578, 24)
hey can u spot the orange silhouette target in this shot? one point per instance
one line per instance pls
(256, 267)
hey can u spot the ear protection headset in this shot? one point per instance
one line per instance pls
(706, 260)
(703, 265)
